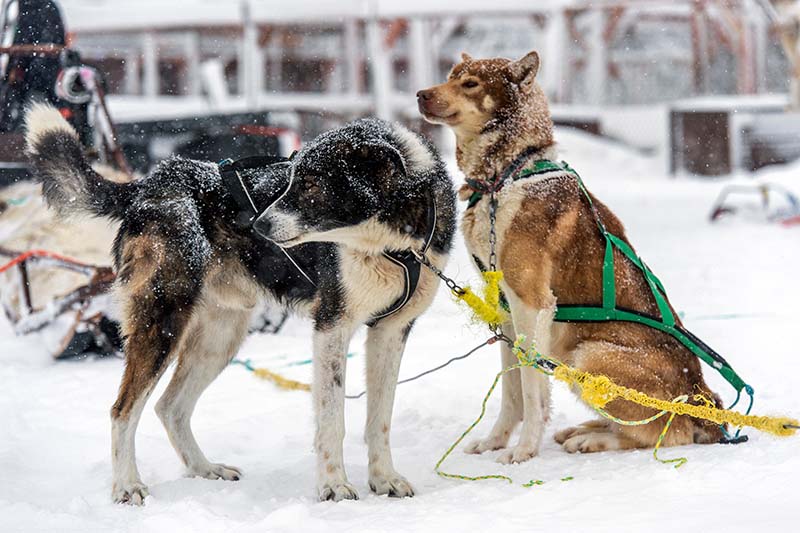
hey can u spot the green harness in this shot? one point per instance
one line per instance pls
(609, 311)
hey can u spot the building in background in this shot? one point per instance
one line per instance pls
(615, 67)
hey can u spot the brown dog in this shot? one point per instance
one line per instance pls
(550, 249)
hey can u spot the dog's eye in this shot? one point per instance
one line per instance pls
(310, 185)
(469, 84)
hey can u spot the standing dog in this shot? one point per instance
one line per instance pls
(189, 277)
(551, 251)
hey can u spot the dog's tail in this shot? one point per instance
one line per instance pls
(69, 183)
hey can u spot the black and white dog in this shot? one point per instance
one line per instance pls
(189, 276)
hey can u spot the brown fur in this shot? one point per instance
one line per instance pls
(551, 251)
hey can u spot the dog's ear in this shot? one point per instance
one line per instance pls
(465, 57)
(523, 71)
(385, 158)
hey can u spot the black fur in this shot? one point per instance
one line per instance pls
(58, 156)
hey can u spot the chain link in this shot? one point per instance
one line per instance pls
(492, 232)
(450, 282)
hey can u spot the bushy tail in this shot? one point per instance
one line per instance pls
(69, 184)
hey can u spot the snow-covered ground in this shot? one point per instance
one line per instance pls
(735, 281)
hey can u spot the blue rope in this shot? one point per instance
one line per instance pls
(309, 361)
(738, 437)
(246, 363)
(750, 392)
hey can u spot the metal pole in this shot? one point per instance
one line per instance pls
(556, 51)
(381, 71)
(191, 48)
(150, 67)
(597, 61)
(249, 66)
(352, 57)
(420, 54)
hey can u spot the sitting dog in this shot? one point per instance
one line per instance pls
(551, 252)
(189, 276)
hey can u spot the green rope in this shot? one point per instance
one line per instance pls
(680, 461)
(470, 428)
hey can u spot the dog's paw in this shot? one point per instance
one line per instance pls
(518, 454)
(488, 444)
(565, 434)
(591, 442)
(130, 493)
(217, 471)
(395, 485)
(337, 492)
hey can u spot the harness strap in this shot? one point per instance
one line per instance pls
(230, 171)
(610, 311)
(540, 166)
(407, 260)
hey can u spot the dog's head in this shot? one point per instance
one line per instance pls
(340, 181)
(479, 92)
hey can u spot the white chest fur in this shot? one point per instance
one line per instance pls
(372, 283)
(475, 223)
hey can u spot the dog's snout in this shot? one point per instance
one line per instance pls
(424, 95)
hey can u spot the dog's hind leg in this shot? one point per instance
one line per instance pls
(511, 406)
(386, 342)
(656, 375)
(210, 343)
(158, 295)
(590, 426)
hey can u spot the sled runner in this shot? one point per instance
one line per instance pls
(96, 333)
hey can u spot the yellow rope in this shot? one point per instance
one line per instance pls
(486, 309)
(598, 391)
(280, 381)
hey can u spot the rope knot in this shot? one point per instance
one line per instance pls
(486, 309)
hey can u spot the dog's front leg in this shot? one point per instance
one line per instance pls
(330, 359)
(536, 324)
(385, 345)
(510, 406)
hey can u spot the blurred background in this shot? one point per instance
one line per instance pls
(706, 85)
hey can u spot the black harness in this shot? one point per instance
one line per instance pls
(251, 217)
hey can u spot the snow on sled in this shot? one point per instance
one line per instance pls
(773, 197)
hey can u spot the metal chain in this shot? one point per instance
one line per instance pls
(450, 282)
(492, 232)
(495, 328)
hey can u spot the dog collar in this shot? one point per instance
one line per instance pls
(512, 172)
